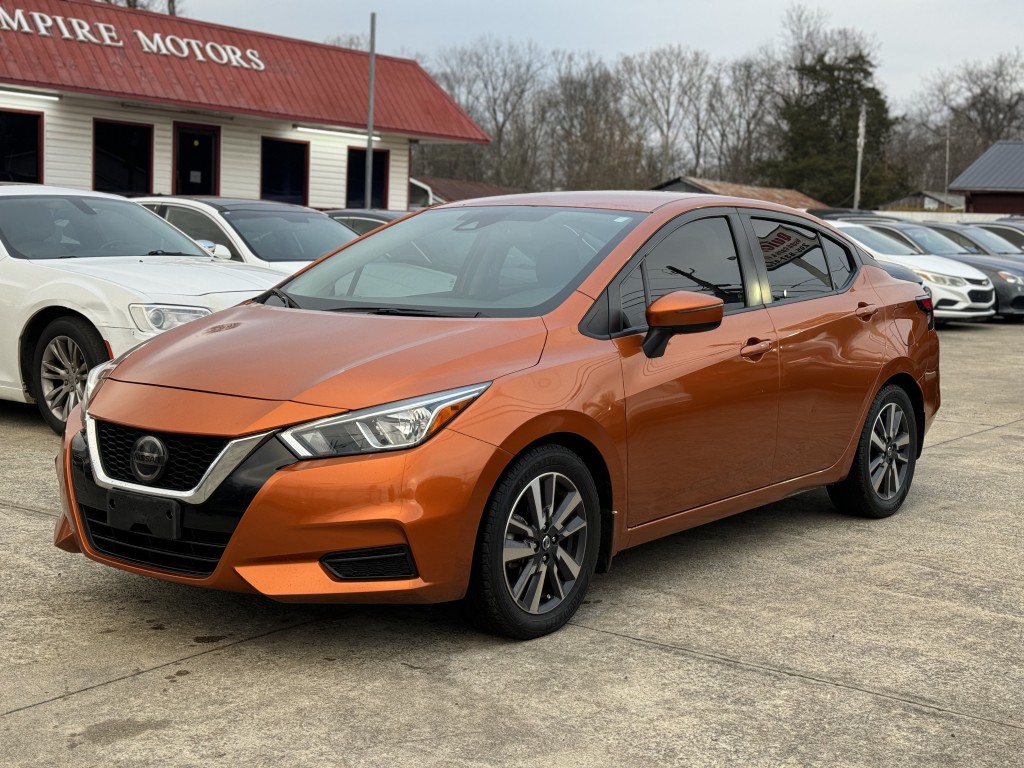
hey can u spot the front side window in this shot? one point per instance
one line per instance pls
(199, 226)
(496, 261)
(700, 257)
(796, 263)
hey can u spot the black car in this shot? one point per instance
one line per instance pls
(364, 220)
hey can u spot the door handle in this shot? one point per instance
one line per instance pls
(865, 310)
(755, 348)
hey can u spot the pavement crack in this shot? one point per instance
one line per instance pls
(929, 446)
(30, 510)
(767, 668)
(140, 672)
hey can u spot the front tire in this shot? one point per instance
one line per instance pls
(883, 467)
(67, 349)
(537, 546)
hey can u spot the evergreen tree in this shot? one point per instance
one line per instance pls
(818, 118)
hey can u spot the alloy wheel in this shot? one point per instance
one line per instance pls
(889, 453)
(62, 375)
(545, 543)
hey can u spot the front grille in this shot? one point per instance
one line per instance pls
(373, 564)
(982, 281)
(983, 297)
(188, 456)
(196, 553)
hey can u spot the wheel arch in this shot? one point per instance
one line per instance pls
(32, 332)
(908, 384)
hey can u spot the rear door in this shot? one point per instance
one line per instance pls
(831, 341)
(701, 420)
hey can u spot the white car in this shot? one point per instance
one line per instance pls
(268, 234)
(84, 277)
(959, 291)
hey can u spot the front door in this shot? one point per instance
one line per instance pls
(197, 151)
(702, 419)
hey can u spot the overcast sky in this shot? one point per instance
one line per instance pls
(915, 38)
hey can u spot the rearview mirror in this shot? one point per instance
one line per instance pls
(680, 312)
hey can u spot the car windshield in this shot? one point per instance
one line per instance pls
(70, 226)
(879, 241)
(991, 240)
(497, 261)
(289, 235)
(930, 241)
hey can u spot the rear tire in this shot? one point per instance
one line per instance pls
(537, 547)
(66, 350)
(883, 467)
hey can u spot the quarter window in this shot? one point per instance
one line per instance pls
(839, 264)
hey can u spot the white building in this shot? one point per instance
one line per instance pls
(99, 97)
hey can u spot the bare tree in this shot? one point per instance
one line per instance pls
(740, 106)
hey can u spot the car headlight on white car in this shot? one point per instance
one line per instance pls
(391, 427)
(935, 277)
(157, 318)
(1013, 278)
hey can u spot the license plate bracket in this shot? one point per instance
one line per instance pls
(160, 517)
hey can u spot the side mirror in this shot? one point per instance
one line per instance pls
(680, 312)
(216, 249)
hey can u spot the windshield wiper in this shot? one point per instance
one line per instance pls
(408, 311)
(284, 297)
(159, 252)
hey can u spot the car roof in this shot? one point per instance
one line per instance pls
(225, 203)
(17, 189)
(367, 213)
(622, 200)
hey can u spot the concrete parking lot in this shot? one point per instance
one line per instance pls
(789, 635)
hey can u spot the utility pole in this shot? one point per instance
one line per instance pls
(946, 189)
(861, 126)
(368, 203)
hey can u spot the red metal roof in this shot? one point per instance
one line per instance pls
(301, 81)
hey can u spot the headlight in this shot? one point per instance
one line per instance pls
(933, 277)
(385, 428)
(156, 318)
(1014, 278)
(97, 375)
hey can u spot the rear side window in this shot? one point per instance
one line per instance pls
(795, 259)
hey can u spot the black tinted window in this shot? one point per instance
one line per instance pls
(700, 257)
(633, 300)
(839, 263)
(795, 260)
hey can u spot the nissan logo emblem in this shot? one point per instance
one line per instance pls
(149, 458)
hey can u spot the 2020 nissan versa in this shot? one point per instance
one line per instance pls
(489, 399)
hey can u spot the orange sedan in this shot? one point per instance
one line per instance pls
(489, 399)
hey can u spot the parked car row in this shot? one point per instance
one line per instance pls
(87, 276)
(973, 271)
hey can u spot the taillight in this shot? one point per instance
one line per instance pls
(926, 305)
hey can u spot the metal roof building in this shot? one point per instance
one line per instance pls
(782, 196)
(994, 183)
(102, 97)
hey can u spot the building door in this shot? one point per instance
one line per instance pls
(197, 152)
(355, 192)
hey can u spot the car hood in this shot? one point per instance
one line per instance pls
(163, 275)
(985, 261)
(937, 264)
(341, 361)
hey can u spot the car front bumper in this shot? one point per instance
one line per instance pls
(274, 524)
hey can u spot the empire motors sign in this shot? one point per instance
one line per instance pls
(81, 31)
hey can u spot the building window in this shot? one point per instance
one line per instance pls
(284, 167)
(20, 147)
(355, 192)
(123, 157)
